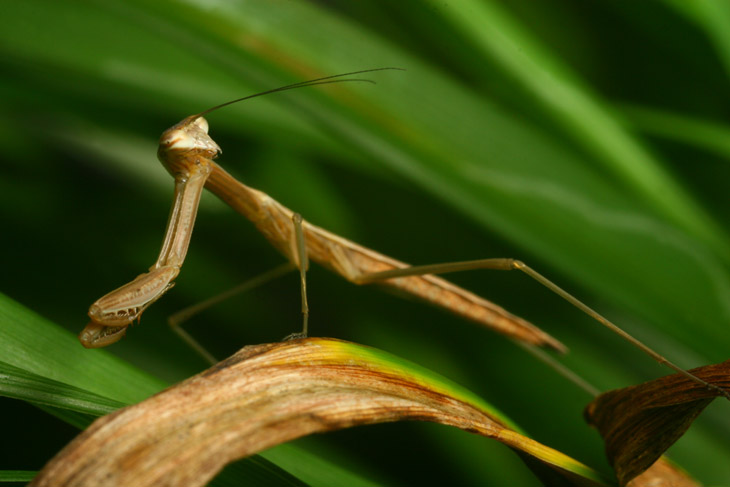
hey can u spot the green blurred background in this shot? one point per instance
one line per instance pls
(588, 139)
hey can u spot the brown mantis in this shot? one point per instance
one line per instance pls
(187, 152)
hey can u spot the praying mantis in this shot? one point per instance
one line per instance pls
(188, 153)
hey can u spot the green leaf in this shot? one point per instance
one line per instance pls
(703, 134)
(19, 384)
(583, 115)
(17, 475)
(38, 347)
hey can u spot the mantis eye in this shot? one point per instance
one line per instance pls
(202, 124)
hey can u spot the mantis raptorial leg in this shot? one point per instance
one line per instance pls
(187, 152)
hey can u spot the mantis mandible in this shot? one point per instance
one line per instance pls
(187, 152)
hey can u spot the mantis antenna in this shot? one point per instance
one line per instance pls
(301, 84)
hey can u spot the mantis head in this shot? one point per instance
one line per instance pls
(185, 145)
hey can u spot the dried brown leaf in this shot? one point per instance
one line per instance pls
(639, 423)
(265, 395)
(663, 474)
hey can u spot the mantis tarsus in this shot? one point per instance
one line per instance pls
(188, 154)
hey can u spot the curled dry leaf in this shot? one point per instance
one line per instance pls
(639, 423)
(265, 395)
(663, 473)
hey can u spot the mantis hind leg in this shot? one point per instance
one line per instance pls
(512, 264)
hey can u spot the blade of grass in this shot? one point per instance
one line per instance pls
(713, 17)
(703, 134)
(17, 475)
(30, 343)
(20, 384)
(585, 117)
